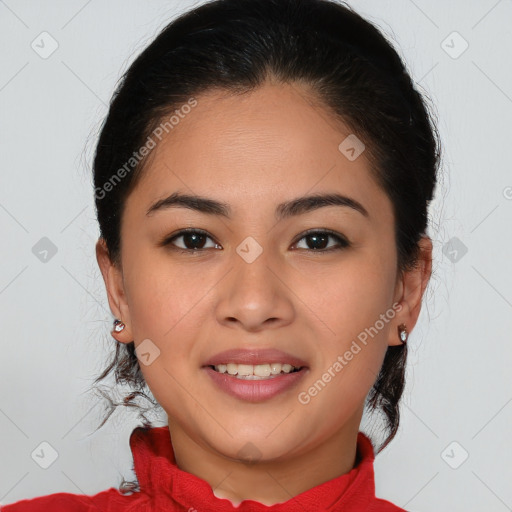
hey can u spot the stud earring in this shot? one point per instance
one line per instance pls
(402, 333)
(118, 325)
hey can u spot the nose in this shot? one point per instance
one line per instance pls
(255, 296)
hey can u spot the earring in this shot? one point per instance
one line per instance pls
(118, 325)
(402, 333)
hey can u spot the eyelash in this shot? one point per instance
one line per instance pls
(342, 242)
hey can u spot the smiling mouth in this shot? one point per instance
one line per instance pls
(255, 372)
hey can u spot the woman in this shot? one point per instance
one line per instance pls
(262, 183)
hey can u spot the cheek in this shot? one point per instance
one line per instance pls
(352, 353)
(159, 293)
(351, 296)
(353, 314)
(168, 304)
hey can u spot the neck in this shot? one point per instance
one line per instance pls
(268, 482)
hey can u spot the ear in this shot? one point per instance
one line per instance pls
(409, 291)
(113, 278)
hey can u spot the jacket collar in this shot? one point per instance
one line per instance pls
(159, 477)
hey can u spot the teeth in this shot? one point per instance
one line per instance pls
(257, 370)
(275, 368)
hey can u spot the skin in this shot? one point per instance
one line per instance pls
(254, 152)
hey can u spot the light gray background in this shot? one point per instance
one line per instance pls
(54, 315)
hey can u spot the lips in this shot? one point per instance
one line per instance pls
(255, 356)
(255, 391)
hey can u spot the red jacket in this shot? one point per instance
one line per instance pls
(165, 487)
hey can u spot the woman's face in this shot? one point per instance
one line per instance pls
(255, 280)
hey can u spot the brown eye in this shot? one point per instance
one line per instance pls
(192, 240)
(195, 240)
(318, 240)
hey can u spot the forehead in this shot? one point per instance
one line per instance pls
(272, 143)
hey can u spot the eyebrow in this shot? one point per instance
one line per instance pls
(297, 206)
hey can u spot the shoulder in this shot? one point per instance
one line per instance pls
(64, 502)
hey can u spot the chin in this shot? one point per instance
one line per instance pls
(252, 447)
